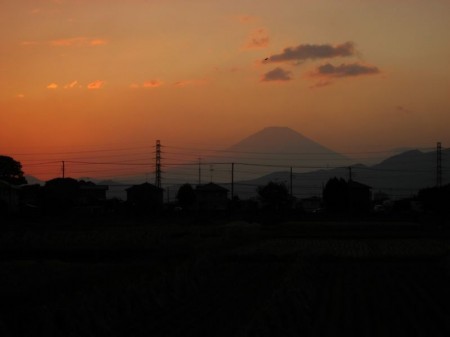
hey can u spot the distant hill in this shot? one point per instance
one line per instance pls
(401, 175)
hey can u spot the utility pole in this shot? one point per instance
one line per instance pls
(232, 190)
(232, 182)
(199, 171)
(439, 165)
(158, 164)
(290, 184)
(63, 168)
(349, 173)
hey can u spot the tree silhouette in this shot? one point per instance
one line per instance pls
(274, 196)
(11, 171)
(436, 199)
(186, 195)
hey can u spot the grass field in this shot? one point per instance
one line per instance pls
(232, 280)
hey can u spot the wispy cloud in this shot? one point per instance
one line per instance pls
(98, 42)
(257, 39)
(29, 43)
(277, 75)
(71, 85)
(152, 84)
(345, 70)
(305, 52)
(96, 85)
(80, 41)
(52, 86)
(147, 84)
(185, 83)
(77, 42)
(320, 84)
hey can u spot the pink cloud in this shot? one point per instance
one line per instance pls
(77, 42)
(257, 39)
(69, 42)
(52, 86)
(152, 84)
(96, 85)
(147, 84)
(98, 42)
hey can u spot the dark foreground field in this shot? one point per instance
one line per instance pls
(234, 280)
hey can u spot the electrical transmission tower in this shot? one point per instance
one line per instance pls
(439, 165)
(158, 165)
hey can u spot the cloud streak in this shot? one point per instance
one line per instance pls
(96, 85)
(346, 70)
(185, 83)
(79, 41)
(71, 85)
(152, 84)
(305, 52)
(277, 75)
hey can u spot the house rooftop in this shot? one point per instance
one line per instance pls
(144, 186)
(210, 187)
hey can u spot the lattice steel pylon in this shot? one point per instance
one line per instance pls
(158, 164)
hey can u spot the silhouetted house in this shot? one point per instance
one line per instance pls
(9, 198)
(359, 197)
(62, 194)
(90, 193)
(145, 197)
(211, 197)
(341, 196)
(31, 198)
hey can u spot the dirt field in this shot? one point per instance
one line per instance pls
(236, 280)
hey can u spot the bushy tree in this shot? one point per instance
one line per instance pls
(436, 199)
(274, 196)
(11, 171)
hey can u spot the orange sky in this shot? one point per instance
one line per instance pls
(97, 75)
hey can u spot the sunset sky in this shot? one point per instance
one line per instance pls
(97, 75)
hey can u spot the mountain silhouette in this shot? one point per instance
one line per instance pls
(281, 147)
(282, 140)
